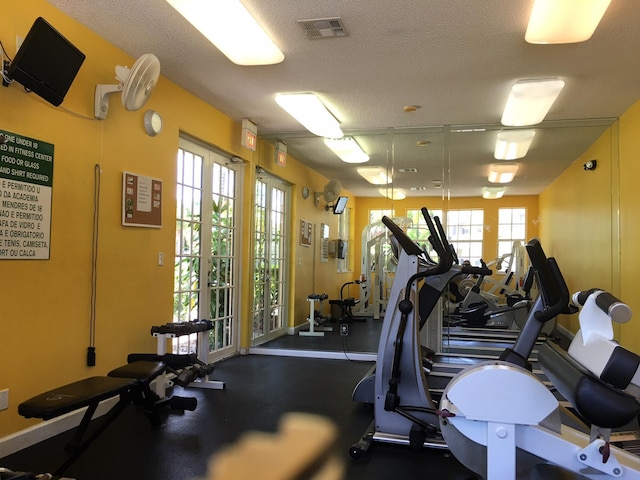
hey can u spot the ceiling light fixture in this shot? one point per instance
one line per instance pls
(347, 149)
(492, 193)
(530, 101)
(309, 110)
(564, 21)
(513, 144)
(375, 175)
(502, 172)
(392, 193)
(232, 29)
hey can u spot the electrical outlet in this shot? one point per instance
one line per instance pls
(344, 329)
(4, 399)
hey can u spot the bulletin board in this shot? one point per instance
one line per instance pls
(306, 233)
(141, 201)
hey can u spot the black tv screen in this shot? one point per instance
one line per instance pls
(46, 63)
(340, 205)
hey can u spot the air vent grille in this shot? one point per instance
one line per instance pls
(320, 28)
(408, 170)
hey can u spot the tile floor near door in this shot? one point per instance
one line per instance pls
(259, 390)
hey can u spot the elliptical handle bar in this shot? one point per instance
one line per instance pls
(411, 247)
(438, 239)
(471, 270)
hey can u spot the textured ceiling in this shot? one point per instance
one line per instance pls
(454, 59)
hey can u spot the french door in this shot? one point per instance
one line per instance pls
(271, 264)
(206, 283)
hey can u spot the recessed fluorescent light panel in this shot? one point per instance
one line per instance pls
(530, 101)
(375, 175)
(492, 193)
(231, 28)
(392, 193)
(513, 144)
(502, 172)
(347, 149)
(309, 110)
(564, 21)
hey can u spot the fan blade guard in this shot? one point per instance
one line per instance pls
(141, 81)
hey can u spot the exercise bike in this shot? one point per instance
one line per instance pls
(525, 437)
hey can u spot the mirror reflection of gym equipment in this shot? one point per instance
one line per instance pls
(484, 301)
(377, 269)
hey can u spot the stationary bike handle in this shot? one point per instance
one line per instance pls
(471, 270)
(561, 304)
(617, 310)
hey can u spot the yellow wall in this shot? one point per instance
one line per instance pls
(629, 194)
(589, 221)
(577, 225)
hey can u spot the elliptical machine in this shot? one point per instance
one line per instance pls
(404, 411)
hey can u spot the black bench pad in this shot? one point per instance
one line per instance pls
(73, 396)
(182, 328)
(143, 370)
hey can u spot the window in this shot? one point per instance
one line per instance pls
(465, 230)
(375, 216)
(511, 227)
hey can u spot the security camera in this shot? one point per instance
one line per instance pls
(590, 165)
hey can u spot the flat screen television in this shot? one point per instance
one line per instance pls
(46, 63)
(340, 205)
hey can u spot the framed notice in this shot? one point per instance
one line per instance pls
(141, 201)
(306, 232)
(26, 187)
(324, 243)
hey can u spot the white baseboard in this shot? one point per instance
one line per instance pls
(296, 329)
(361, 357)
(46, 429)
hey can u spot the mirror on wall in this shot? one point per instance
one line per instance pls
(435, 166)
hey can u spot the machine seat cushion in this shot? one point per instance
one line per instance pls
(596, 401)
(318, 296)
(73, 396)
(142, 370)
(345, 302)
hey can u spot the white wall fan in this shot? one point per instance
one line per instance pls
(136, 85)
(330, 193)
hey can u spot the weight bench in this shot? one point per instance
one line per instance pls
(316, 324)
(198, 370)
(131, 383)
(346, 304)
